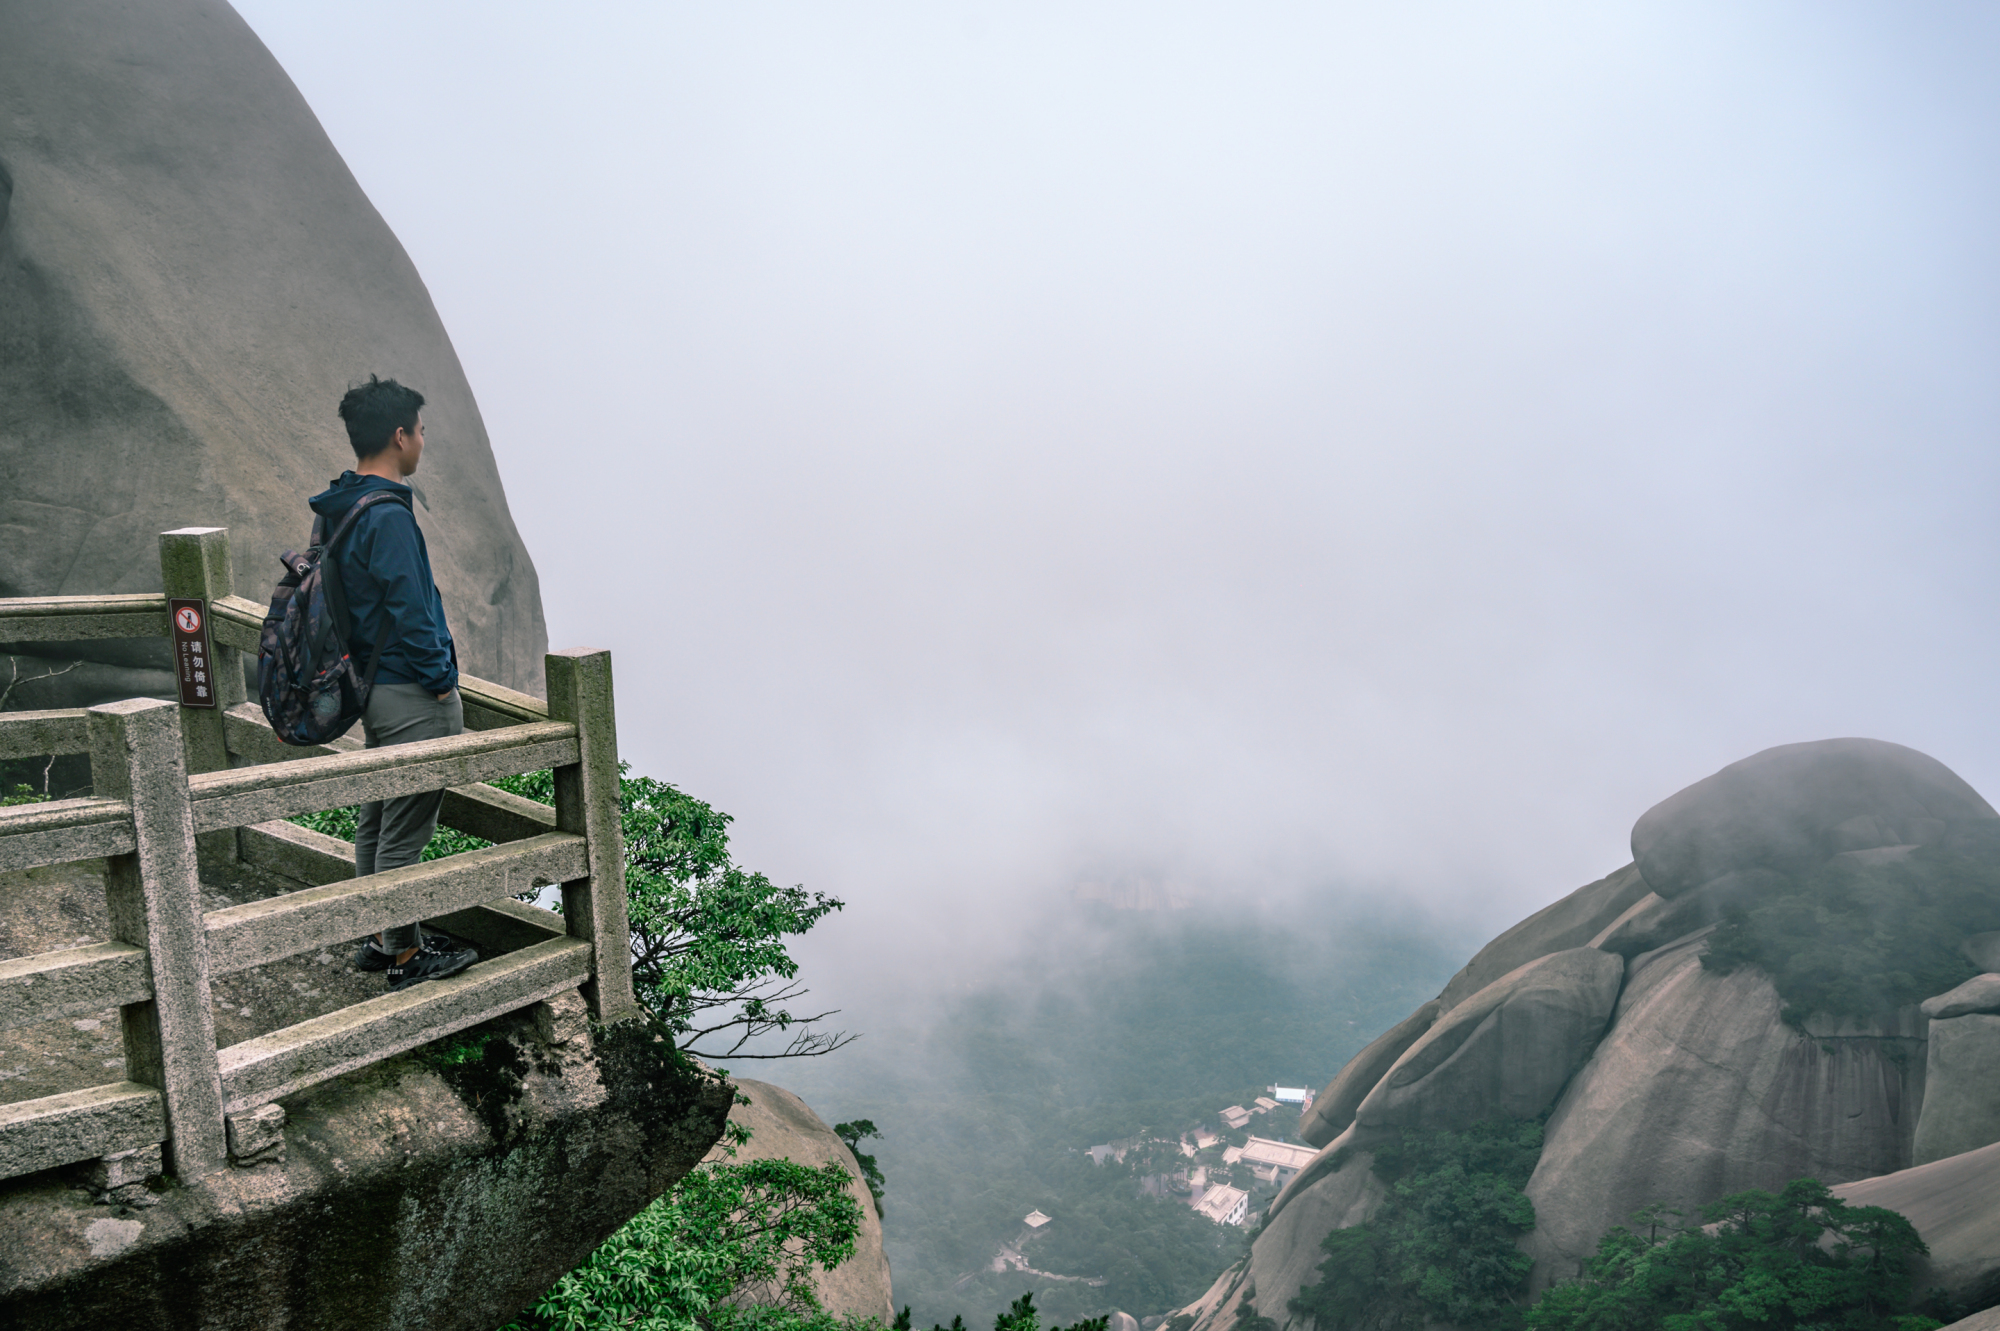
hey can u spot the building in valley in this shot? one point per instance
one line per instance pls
(1275, 1161)
(1224, 1205)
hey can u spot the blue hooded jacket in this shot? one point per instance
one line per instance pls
(385, 570)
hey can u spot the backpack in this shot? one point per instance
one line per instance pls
(310, 691)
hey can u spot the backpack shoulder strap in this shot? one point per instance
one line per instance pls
(347, 520)
(336, 594)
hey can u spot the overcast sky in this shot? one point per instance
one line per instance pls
(1281, 449)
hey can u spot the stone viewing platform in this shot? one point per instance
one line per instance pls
(195, 1087)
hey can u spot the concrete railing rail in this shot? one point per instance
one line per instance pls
(177, 786)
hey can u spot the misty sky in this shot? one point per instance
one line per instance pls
(1280, 449)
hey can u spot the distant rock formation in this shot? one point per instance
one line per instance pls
(1792, 807)
(784, 1127)
(1700, 1090)
(1668, 1082)
(189, 279)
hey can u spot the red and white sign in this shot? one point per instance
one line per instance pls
(194, 657)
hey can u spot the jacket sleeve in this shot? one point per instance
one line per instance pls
(419, 632)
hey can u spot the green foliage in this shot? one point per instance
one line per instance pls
(1801, 1258)
(902, 1322)
(871, 1173)
(1442, 1246)
(727, 1232)
(1249, 1319)
(460, 1050)
(709, 958)
(1021, 1315)
(708, 937)
(21, 794)
(1856, 939)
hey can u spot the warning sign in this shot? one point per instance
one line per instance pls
(194, 658)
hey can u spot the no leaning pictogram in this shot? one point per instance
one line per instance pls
(194, 658)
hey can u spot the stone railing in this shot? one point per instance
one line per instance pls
(174, 787)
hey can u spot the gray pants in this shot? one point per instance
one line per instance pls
(393, 833)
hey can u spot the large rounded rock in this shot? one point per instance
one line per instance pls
(1790, 808)
(189, 279)
(784, 1127)
(1955, 1205)
(1334, 1108)
(1699, 1090)
(1961, 1110)
(1505, 1052)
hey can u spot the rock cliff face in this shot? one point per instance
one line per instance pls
(1665, 1081)
(784, 1127)
(189, 279)
(392, 1198)
(1700, 1090)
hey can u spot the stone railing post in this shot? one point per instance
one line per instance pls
(194, 561)
(154, 900)
(587, 803)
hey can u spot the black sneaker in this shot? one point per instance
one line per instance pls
(430, 966)
(368, 957)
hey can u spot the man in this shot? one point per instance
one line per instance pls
(385, 573)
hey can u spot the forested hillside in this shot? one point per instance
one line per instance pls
(1131, 1022)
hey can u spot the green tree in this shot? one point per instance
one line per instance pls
(854, 1134)
(709, 959)
(1859, 939)
(1022, 1316)
(1800, 1258)
(697, 1258)
(1442, 1246)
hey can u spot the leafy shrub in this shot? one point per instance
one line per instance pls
(1853, 939)
(727, 1233)
(1801, 1258)
(1442, 1246)
(1022, 1315)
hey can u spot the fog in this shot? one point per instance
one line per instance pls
(1284, 454)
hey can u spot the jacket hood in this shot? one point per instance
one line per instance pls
(340, 495)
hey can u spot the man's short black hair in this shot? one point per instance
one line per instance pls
(374, 411)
